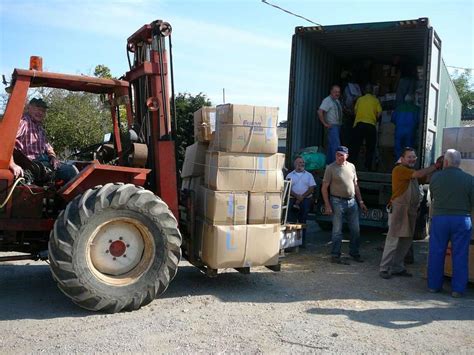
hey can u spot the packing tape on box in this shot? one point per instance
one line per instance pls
(246, 263)
(232, 202)
(267, 130)
(231, 206)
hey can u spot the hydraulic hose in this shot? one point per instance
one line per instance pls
(17, 181)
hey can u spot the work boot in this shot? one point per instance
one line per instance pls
(339, 260)
(385, 275)
(403, 273)
(357, 258)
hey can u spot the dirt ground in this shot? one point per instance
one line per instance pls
(310, 306)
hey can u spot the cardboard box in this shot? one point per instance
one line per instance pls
(246, 129)
(192, 183)
(204, 124)
(194, 160)
(448, 265)
(468, 166)
(264, 207)
(263, 245)
(461, 139)
(386, 135)
(222, 207)
(240, 246)
(244, 172)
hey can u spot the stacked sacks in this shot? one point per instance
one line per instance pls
(239, 204)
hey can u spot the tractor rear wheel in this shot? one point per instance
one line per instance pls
(115, 247)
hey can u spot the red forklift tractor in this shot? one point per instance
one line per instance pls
(112, 243)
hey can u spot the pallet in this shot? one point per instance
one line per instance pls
(210, 272)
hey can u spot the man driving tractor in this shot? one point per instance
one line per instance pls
(32, 142)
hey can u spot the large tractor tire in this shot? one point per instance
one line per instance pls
(115, 247)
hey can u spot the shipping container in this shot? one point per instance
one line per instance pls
(325, 55)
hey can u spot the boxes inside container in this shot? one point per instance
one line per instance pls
(383, 58)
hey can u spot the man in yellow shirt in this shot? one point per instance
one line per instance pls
(367, 110)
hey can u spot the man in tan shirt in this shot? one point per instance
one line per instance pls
(341, 179)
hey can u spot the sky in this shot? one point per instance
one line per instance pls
(241, 45)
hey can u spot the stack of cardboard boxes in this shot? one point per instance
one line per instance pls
(236, 175)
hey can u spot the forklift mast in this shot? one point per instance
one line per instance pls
(149, 77)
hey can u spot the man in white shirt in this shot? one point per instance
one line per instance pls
(302, 188)
(330, 116)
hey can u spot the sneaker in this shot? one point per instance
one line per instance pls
(433, 290)
(357, 258)
(456, 294)
(338, 260)
(385, 275)
(403, 273)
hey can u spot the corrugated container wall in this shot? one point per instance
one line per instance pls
(450, 107)
(313, 72)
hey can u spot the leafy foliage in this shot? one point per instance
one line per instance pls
(75, 120)
(102, 71)
(465, 88)
(186, 105)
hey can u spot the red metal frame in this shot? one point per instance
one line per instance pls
(94, 174)
(27, 224)
(165, 181)
(99, 174)
(156, 72)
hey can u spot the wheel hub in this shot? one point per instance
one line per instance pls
(117, 247)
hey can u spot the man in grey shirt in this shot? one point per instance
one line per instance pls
(330, 115)
(452, 191)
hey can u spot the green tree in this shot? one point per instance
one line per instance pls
(75, 120)
(465, 88)
(186, 105)
(102, 71)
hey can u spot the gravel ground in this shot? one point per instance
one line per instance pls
(310, 306)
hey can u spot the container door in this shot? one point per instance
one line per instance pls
(431, 102)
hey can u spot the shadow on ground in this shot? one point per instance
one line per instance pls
(400, 318)
(29, 292)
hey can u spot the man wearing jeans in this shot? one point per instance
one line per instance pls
(452, 191)
(330, 115)
(32, 142)
(341, 179)
(302, 188)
